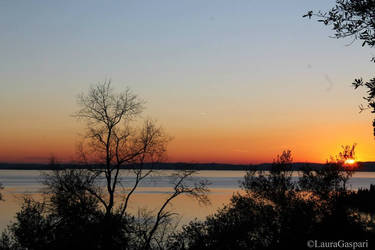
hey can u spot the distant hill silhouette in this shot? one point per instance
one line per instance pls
(363, 166)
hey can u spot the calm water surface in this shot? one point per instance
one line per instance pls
(150, 194)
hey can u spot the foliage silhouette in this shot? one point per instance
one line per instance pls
(86, 207)
(277, 212)
(274, 211)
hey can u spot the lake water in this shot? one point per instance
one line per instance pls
(151, 192)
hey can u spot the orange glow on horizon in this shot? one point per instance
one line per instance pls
(350, 164)
(350, 161)
(206, 143)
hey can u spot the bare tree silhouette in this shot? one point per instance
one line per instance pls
(112, 143)
(85, 207)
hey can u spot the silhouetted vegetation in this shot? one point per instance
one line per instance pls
(71, 216)
(114, 143)
(86, 207)
(273, 212)
(278, 213)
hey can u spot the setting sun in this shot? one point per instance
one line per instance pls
(350, 161)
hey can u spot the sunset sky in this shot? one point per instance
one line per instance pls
(230, 81)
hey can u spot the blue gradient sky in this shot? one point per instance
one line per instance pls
(231, 81)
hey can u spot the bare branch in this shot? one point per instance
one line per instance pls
(197, 191)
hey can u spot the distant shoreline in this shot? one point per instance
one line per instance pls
(363, 166)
